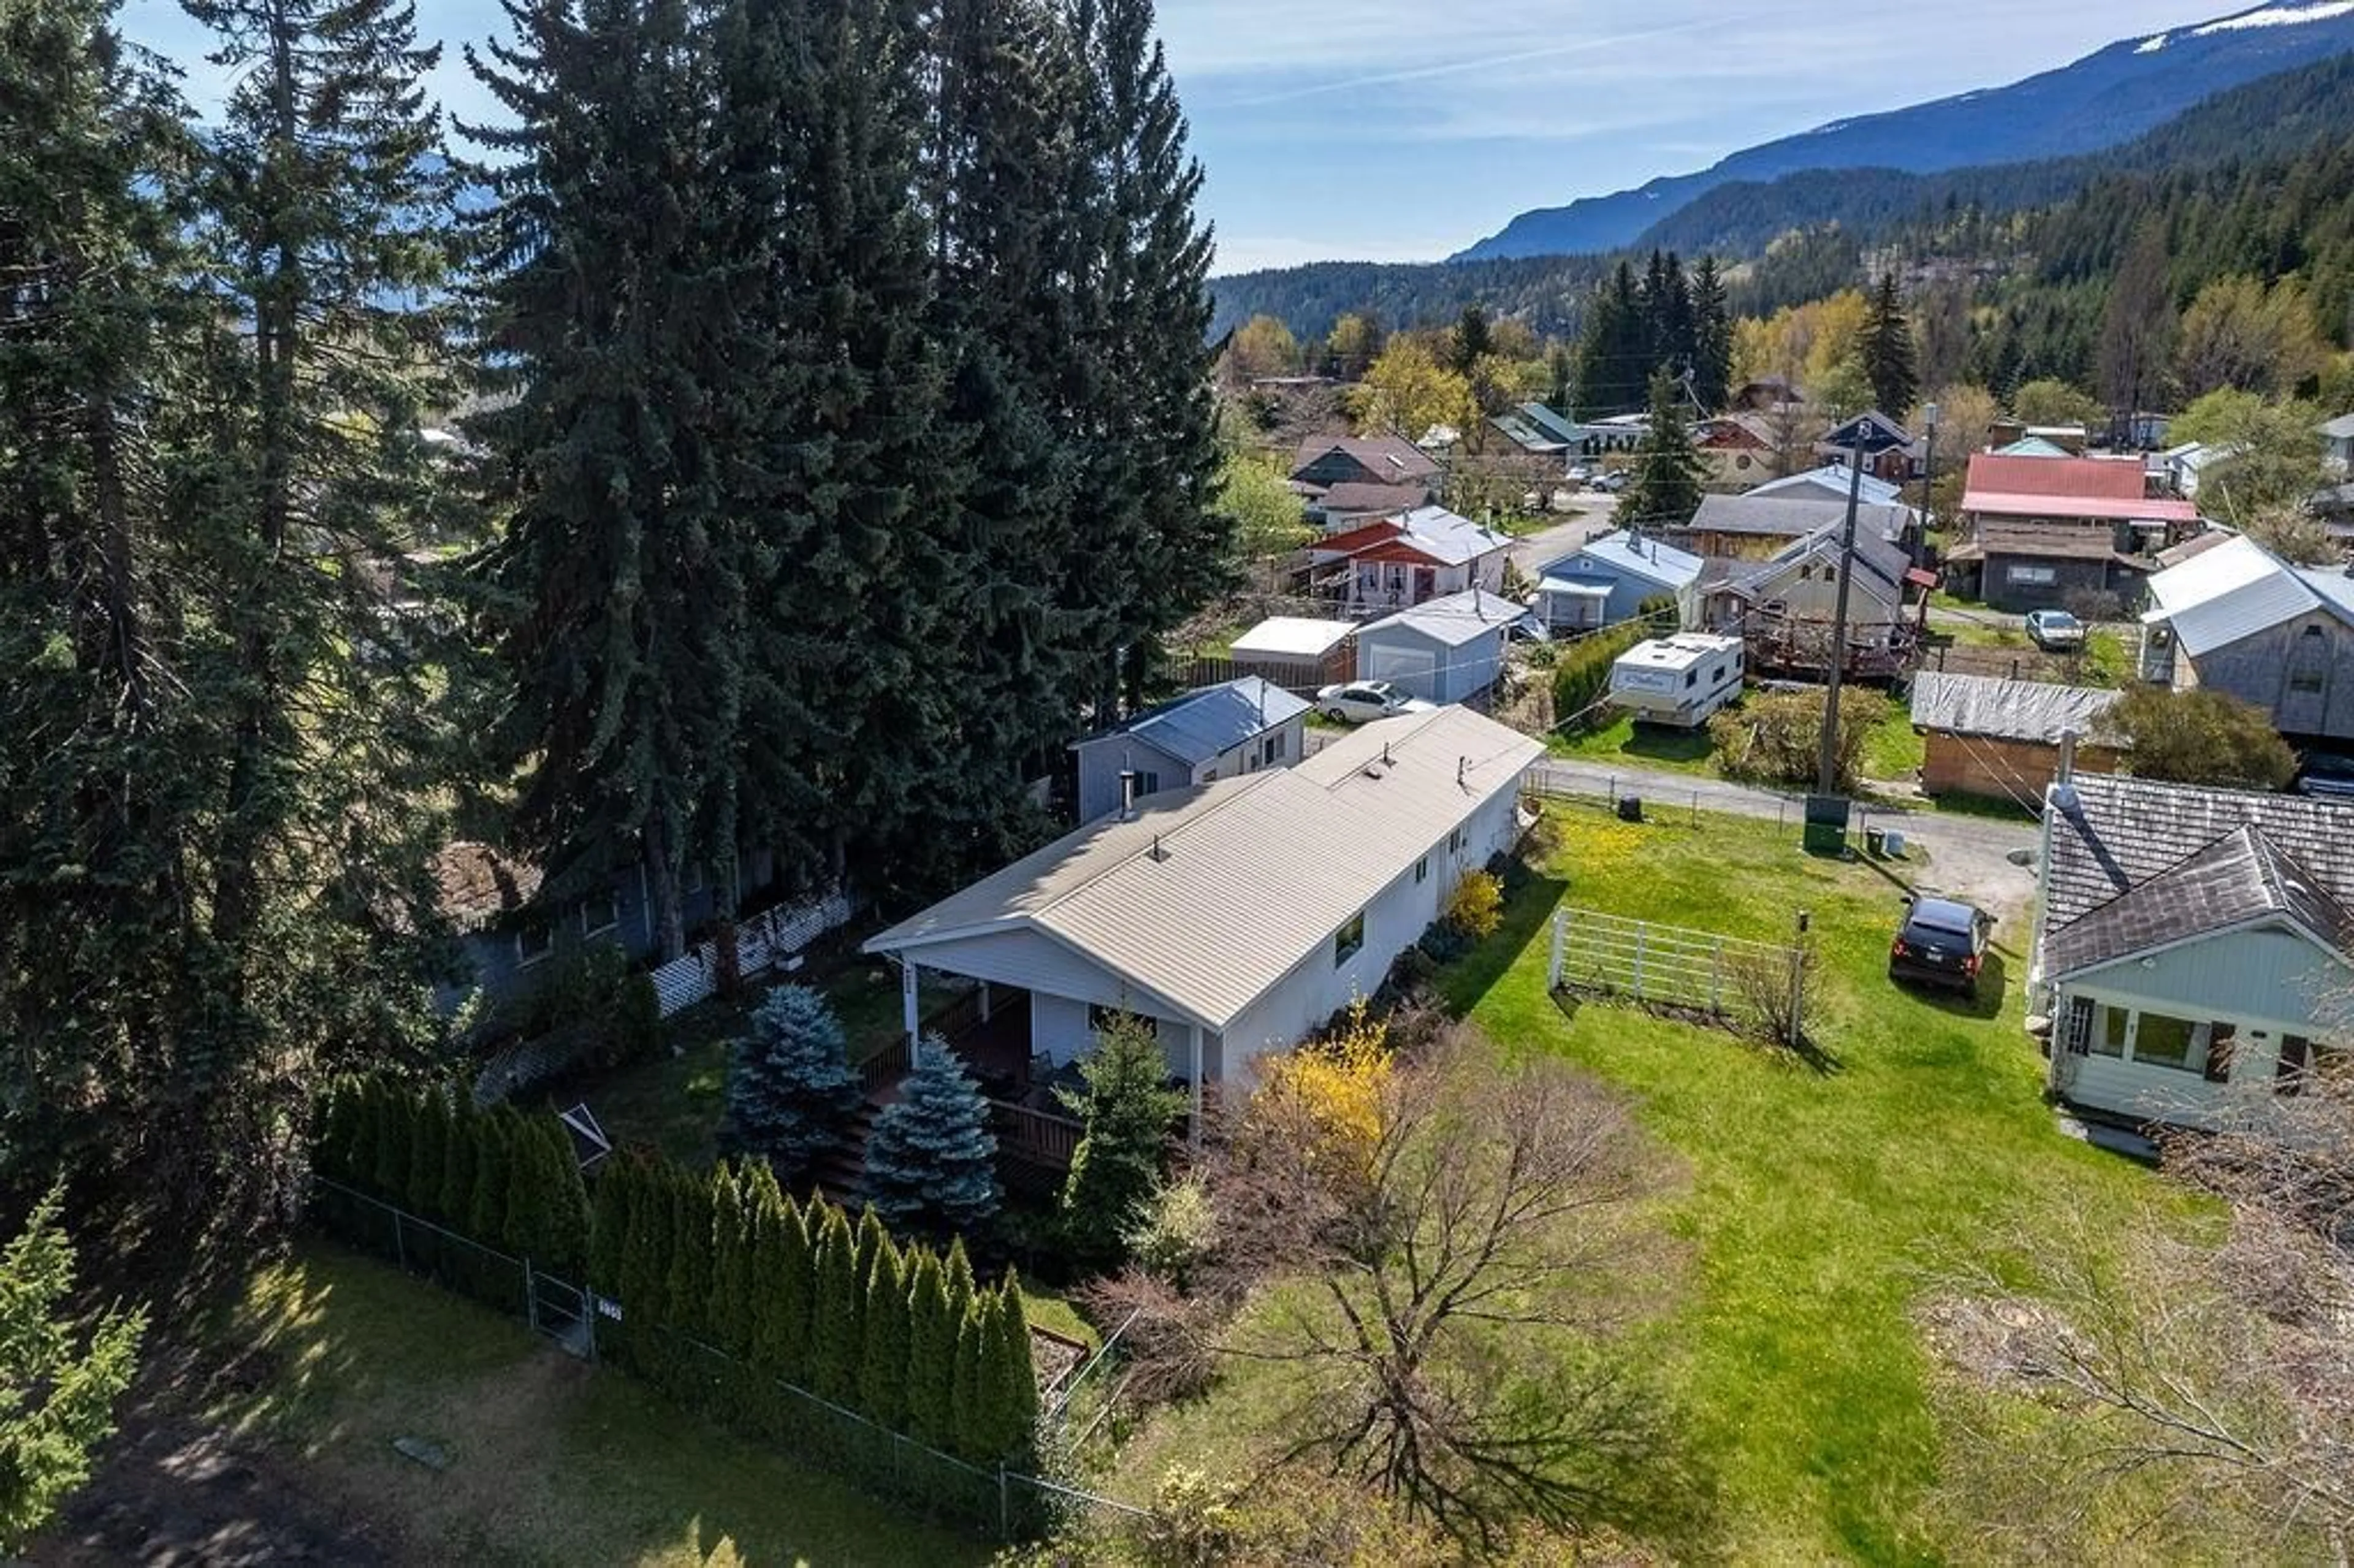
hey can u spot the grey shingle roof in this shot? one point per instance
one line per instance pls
(2110, 834)
(2005, 710)
(2240, 877)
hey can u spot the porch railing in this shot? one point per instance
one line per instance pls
(1039, 1138)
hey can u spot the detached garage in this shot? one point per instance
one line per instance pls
(1447, 650)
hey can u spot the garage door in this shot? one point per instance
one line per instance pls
(1412, 670)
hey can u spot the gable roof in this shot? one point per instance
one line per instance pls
(1395, 456)
(1525, 433)
(1254, 873)
(1871, 430)
(2093, 489)
(1554, 426)
(1833, 479)
(2239, 878)
(1998, 709)
(1880, 564)
(1456, 620)
(2033, 447)
(1209, 721)
(1637, 554)
(476, 884)
(2044, 541)
(2109, 833)
(1738, 430)
(1376, 500)
(2235, 590)
(1788, 516)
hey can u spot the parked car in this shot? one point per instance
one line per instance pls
(2055, 631)
(2323, 774)
(1942, 942)
(1528, 628)
(1611, 484)
(1361, 701)
(1580, 474)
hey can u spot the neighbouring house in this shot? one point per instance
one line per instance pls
(1398, 562)
(2193, 951)
(1736, 449)
(1608, 580)
(2337, 445)
(2237, 618)
(1786, 607)
(1297, 652)
(1520, 430)
(1768, 395)
(1754, 527)
(1987, 735)
(1830, 482)
(2186, 467)
(1447, 650)
(2045, 529)
(1340, 507)
(2033, 447)
(1327, 461)
(2072, 439)
(1894, 453)
(1237, 916)
(1217, 732)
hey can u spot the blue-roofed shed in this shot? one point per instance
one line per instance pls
(1216, 732)
(1608, 579)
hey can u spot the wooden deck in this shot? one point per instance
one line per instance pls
(1028, 1119)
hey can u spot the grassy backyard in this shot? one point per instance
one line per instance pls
(1816, 1197)
(550, 1461)
(1891, 749)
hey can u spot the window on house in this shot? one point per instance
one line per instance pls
(1277, 746)
(2076, 1039)
(2021, 574)
(535, 942)
(1422, 870)
(1455, 841)
(2116, 1024)
(2162, 1041)
(1349, 940)
(2222, 1039)
(1147, 784)
(2295, 1062)
(600, 912)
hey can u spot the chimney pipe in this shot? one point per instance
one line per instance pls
(1128, 794)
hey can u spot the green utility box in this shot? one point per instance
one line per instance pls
(1826, 818)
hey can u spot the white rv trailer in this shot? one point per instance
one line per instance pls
(1680, 679)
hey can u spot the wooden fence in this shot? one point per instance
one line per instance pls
(761, 943)
(1726, 978)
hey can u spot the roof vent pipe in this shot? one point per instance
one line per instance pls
(2064, 784)
(1158, 852)
(1385, 754)
(1128, 794)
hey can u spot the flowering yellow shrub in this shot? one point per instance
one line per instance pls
(1329, 1097)
(1476, 907)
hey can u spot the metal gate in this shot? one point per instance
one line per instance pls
(564, 1313)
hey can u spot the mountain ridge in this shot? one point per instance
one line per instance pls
(2104, 100)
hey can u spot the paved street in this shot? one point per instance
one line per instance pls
(1596, 516)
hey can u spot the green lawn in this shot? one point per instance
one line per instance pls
(1891, 750)
(551, 1461)
(1814, 1197)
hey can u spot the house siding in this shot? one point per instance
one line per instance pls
(2265, 983)
(1422, 667)
(2259, 669)
(1102, 760)
(2005, 769)
(2070, 575)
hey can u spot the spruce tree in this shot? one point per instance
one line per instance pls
(931, 1159)
(1666, 491)
(1886, 344)
(836, 1336)
(1612, 349)
(791, 1092)
(1127, 1110)
(931, 1352)
(1711, 381)
(883, 1361)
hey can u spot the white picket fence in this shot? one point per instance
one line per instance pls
(762, 942)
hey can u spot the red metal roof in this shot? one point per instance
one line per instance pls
(2090, 508)
(2079, 478)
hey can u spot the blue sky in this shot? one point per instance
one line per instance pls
(1402, 130)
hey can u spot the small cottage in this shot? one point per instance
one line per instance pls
(2003, 740)
(1447, 650)
(1608, 580)
(1217, 732)
(1300, 654)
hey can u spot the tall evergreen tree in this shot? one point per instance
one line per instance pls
(837, 1336)
(1127, 1110)
(620, 598)
(883, 1357)
(1017, 1379)
(791, 1089)
(931, 1159)
(1614, 349)
(2138, 323)
(1711, 381)
(1889, 357)
(931, 1352)
(1666, 491)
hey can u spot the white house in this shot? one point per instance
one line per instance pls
(1446, 651)
(1398, 562)
(1215, 732)
(1238, 916)
(2193, 949)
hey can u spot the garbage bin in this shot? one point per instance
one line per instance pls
(1827, 817)
(1631, 808)
(1875, 840)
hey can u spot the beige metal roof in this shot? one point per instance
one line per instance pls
(1251, 874)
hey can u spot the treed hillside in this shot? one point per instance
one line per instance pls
(2253, 181)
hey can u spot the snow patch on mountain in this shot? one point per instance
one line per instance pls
(2151, 45)
(2278, 17)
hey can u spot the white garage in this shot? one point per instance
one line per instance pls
(1444, 651)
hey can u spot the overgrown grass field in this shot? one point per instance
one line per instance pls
(1819, 1197)
(551, 1461)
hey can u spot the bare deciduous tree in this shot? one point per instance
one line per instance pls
(2191, 1385)
(1444, 1308)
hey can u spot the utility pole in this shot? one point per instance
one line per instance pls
(1928, 481)
(1827, 759)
